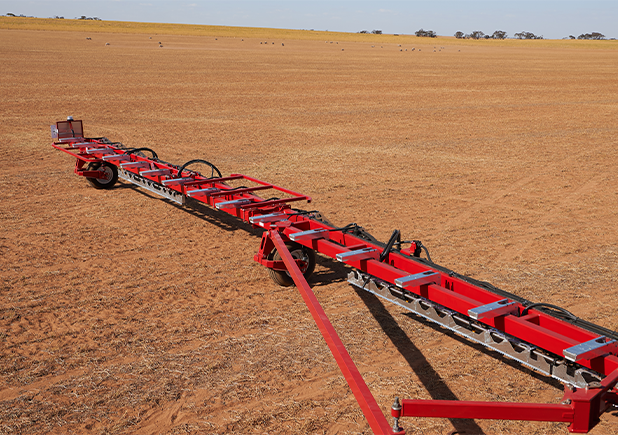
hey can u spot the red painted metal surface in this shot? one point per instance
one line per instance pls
(487, 410)
(581, 407)
(284, 224)
(365, 399)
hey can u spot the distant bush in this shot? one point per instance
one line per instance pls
(83, 17)
(459, 35)
(376, 32)
(10, 14)
(499, 34)
(425, 33)
(363, 31)
(593, 35)
(527, 35)
(477, 34)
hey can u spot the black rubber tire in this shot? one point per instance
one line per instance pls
(282, 277)
(111, 170)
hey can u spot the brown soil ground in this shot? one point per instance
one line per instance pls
(123, 313)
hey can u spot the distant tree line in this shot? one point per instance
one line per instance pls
(425, 33)
(498, 34)
(422, 33)
(10, 14)
(478, 34)
(527, 35)
(593, 35)
(83, 17)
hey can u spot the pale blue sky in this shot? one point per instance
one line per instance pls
(551, 18)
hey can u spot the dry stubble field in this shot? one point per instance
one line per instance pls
(123, 313)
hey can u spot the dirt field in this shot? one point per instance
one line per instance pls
(123, 313)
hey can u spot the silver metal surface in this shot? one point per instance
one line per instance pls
(429, 277)
(273, 217)
(236, 203)
(204, 192)
(511, 347)
(495, 309)
(99, 151)
(154, 172)
(85, 144)
(359, 254)
(117, 157)
(174, 181)
(310, 235)
(591, 349)
(135, 165)
(151, 186)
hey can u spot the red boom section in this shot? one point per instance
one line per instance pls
(390, 264)
(538, 328)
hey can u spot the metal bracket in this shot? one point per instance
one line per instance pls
(117, 157)
(207, 191)
(99, 151)
(267, 218)
(85, 144)
(495, 309)
(174, 181)
(310, 235)
(135, 165)
(237, 203)
(155, 172)
(418, 279)
(591, 349)
(359, 254)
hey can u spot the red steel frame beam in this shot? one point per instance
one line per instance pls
(581, 407)
(536, 327)
(357, 384)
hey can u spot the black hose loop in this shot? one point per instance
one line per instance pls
(137, 150)
(552, 306)
(426, 253)
(417, 252)
(395, 237)
(190, 162)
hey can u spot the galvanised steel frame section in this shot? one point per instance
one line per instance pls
(582, 355)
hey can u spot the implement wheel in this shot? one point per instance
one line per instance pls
(111, 173)
(299, 252)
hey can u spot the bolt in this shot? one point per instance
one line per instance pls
(396, 427)
(396, 404)
(396, 407)
(593, 385)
